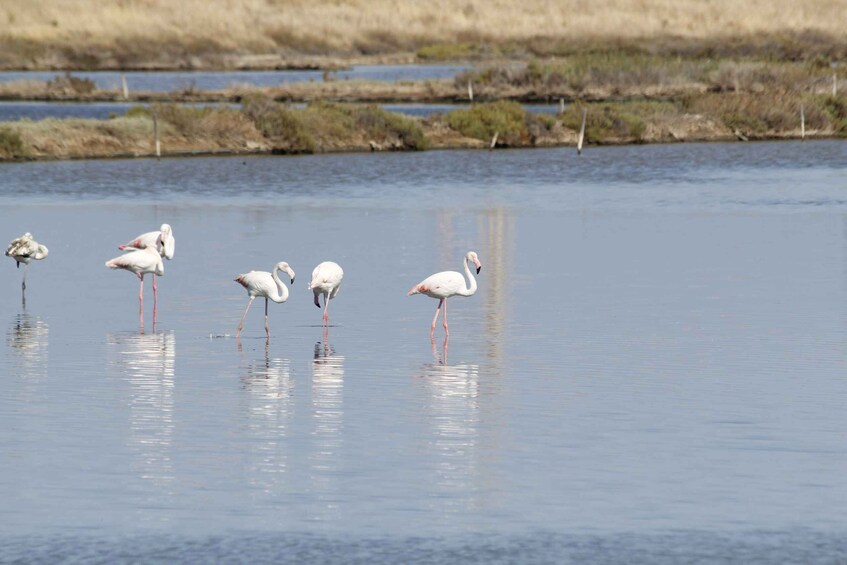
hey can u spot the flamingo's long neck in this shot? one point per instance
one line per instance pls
(472, 289)
(283, 290)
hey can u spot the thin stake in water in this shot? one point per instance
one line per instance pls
(581, 132)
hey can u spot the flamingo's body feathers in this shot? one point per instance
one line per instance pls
(326, 281)
(267, 285)
(162, 240)
(25, 249)
(139, 261)
(445, 284)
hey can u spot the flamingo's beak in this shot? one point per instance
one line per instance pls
(478, 265)
(292, 280)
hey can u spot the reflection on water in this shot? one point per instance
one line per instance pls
(453, 413)
(146, 362)
(270, 387)
(328, 421)
(28, 339)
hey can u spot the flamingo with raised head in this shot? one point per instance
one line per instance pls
(140, 261)
(23, 250)
(268, 285)
(445, 284)
(326, 280)
(162, 240)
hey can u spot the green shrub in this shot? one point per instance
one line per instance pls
(11, 145)
(609, 120)
(482, 121)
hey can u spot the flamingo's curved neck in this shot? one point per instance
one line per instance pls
(472, 289)
(283, 290)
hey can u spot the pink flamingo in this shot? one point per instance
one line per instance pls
(140, 261)
(263, 283)
(23, 250)
(326, 280)
(162, 240)
(445, 284)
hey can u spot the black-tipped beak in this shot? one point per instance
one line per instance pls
(478, 269)
(292, 280)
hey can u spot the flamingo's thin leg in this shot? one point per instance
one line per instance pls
(241, 323)
(435, 319)
(326, 309)
(26, 270)
(155, 293)
(446, 331)
(140, 294)
(267, 328)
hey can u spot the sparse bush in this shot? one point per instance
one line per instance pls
(482, 121)
(69, 84)
(11, 145)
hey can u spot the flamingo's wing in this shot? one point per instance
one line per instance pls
(142, 241)
(22, 247)
(440, 285)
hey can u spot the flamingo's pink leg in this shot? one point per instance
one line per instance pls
(446, 331)
(26, 270)
(241, 323)
(155, 293)
(267, 327)
(326, 308)
(435, 319)
(140, 294)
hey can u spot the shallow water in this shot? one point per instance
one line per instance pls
(167, 81)
(651, 370)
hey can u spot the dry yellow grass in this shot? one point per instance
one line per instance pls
(371, 26)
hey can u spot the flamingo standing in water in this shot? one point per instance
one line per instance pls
(23, 250)
(162, 240)
(140, 261)
(263, 283)
(445, 284)
(326, 280)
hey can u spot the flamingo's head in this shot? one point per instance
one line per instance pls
(472, 256)
(285, 267)
(166, 240)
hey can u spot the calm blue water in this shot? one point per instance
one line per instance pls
(652, 370)
(167, 81)
(11, 110)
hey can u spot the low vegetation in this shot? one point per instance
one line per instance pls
(267, 33)
(265, 126)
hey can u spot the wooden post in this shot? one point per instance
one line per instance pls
(494, 140)
(470, 92)
(561, 105)
(125, 87)
(156, 134)
(834, 85)
(581, 133)
(802, 123)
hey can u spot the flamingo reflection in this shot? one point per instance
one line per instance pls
(328, 419)
(270, 387)
(28, 339)
(147, 363)
(452, 400)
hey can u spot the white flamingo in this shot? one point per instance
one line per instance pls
(23, 250)
(326, 280)
(445, 284)
(268, 285)
(140, 261)
(162, 240)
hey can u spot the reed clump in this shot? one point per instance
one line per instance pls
(11, 145)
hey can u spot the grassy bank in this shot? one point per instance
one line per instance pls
(269, 33)
(265, 126)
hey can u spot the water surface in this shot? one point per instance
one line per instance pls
(651, 371)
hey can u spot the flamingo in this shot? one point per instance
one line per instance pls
(263, 283)
(162, 240)
(326, 280)
(140, 261)
(23, 250)
(445, 284)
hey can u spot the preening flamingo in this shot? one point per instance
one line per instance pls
(445, 284)
(326, 280)
(263, 283)
(140, 261)
(163, 241)
(23, 250)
